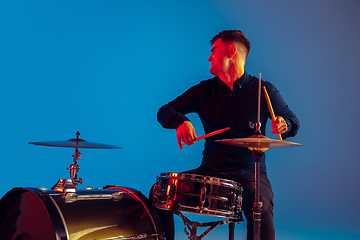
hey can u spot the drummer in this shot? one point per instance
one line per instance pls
(230, 100)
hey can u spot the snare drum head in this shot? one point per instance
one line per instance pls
(89, 214)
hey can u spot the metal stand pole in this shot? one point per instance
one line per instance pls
(257, 203)
(231, 230)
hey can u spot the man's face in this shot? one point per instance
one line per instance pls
(219, 52)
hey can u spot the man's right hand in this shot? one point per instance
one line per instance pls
(186, 133)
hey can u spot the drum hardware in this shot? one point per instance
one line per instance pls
(64, 185)
(171, 191)
(70, 185)
(202, 198)
(235, 202)
(75, 168)
(70, 197)
(193, 225)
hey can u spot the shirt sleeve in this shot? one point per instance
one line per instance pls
(282, 109)
(172, 115)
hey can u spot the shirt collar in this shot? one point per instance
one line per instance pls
(243, 80)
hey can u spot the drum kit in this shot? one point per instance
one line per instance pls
(113, 212)
(118, 213)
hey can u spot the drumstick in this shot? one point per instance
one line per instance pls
(271, 109)
(259, 97)
(209, 134)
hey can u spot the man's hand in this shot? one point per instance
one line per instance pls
(186, 133)
(279, 126)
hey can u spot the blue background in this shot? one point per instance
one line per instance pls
(105, 67)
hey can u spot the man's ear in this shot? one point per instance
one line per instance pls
(232, 51)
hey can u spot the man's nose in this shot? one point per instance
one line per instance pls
(210, 58)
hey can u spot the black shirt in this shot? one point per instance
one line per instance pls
(218, 107)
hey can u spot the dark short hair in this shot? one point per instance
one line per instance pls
(234, 35)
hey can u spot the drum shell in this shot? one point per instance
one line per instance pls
(198, 194)
(31, 213)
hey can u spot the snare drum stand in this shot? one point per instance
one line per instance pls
(192, 226)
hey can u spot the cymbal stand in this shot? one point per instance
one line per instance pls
(75, 168)
(192, 226)
(257, 204)
(69, 185)
(257, 154)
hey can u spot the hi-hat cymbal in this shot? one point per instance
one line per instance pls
(258, 142)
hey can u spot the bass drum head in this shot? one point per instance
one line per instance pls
(23, 217)
(94, 214)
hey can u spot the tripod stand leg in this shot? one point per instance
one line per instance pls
(193, 235)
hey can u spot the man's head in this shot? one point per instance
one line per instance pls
(229, 51)
(233, 36)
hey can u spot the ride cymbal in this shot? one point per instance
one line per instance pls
(75, 143)
(258, 142)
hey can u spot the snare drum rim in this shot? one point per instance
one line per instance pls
(202, 179)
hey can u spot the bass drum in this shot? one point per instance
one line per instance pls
(90, 214)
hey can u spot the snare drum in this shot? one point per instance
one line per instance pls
(199, 194)
(107, 213)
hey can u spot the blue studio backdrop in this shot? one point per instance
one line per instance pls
(104, 68)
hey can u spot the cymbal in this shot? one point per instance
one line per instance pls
(258, 142)
(75, 143)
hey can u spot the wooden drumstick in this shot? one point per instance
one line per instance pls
(210, 134)
(271, 109)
